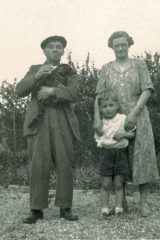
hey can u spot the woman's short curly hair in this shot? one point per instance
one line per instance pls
(120, 34)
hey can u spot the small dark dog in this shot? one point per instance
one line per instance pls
(57, 78)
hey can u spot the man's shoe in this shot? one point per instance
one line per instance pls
(33, 216)
(66, 213)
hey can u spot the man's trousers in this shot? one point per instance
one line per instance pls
(54, 141)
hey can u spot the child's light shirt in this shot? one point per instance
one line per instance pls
(110, 126)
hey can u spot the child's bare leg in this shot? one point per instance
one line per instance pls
(125, 204)
(105, 192)
(119, 192)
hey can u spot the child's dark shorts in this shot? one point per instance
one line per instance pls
(114, 162)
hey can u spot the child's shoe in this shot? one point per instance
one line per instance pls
(105, 213)
(118, 211)
(125, 208)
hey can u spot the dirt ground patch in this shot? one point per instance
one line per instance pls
(14, 206)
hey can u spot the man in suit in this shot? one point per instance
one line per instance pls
(51, 127)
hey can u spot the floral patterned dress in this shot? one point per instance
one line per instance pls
(129, 86)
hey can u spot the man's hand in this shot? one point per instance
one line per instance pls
(119, 135)
(44, 93)
(44, 70)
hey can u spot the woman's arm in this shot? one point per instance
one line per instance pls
(100, 87)
(131, 118)
(96, 109)
(145, 95)
(97, 118)
(146, 89)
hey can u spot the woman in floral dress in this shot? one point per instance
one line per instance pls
(131, 79)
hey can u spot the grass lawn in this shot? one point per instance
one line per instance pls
(14, 206)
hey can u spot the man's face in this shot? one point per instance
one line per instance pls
(120, 48)
(108, 108)
(54, 51)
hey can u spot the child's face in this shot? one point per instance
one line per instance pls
(108, 108)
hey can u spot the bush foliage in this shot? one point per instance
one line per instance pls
(13, 147)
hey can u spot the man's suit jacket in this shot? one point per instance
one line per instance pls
(65, 96)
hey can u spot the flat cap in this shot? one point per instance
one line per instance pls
(53, 38)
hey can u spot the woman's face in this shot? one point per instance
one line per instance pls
(120, 47)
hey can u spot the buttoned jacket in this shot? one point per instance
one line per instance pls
(66, 96)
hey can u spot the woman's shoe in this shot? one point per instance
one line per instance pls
(66, 213)
(145, 210)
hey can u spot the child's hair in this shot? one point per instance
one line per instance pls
(107, 94)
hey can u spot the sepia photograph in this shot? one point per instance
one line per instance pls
(79, 119)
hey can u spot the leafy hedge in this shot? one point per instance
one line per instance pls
(13, 147)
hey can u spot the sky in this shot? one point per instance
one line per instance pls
(86, 24)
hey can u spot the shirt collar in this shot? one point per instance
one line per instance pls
(53, 66)
(127, 67)
(114, 119)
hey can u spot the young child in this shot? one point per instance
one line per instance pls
(114, 141)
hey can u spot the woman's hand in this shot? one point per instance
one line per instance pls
(98, 126)
(130, 121)
(119, 135)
